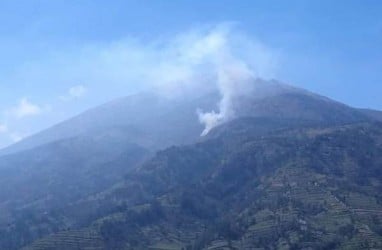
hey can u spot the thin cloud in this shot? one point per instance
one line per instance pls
(13, 136)
(24, 109)
(16, 137)
(3, 128)
(75, 92)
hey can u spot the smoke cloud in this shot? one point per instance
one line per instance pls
(226, 60)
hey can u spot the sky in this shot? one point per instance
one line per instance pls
(61, 57)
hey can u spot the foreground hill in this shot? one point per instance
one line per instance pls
(68, 182)
(266, 183)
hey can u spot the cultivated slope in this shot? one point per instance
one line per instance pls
(257, 183)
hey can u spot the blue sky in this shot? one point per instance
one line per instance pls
(59, 58)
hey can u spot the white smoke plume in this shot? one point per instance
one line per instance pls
(234, 62)
(232, 80)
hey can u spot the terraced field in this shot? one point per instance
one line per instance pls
(70, 240)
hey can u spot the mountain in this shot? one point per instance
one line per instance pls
(290, 170)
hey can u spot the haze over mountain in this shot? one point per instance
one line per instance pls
(136, 173)
(147, 119)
